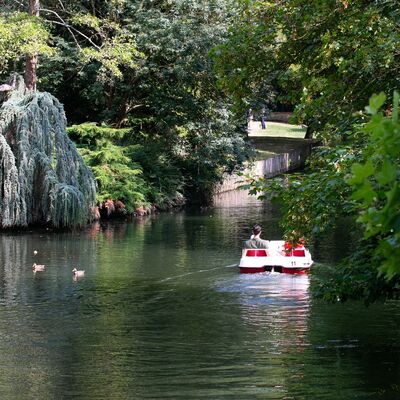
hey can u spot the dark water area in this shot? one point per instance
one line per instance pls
(162, 313)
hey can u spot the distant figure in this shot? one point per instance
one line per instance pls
(249, 116)
(255, 242)
(263, 116)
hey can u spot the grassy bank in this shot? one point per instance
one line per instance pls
(277, 129)
(272, 144)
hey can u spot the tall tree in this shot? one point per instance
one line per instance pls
(32, 59)
(43, 177)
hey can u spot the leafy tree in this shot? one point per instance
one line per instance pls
(51, 26)
(327, 57)
(21, 35)
(144, 66)
(43, 178)
(171, 102)
(377, 184)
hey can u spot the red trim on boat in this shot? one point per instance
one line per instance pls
(256, 253)
(297, 271)
(251, 270)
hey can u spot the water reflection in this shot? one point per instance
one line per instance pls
(163, 313)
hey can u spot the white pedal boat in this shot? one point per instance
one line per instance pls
(276, 258)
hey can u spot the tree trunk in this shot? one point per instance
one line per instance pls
(32, 60)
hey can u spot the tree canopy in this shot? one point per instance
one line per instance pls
(144, 68)
(328, 59)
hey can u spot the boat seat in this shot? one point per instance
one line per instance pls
(256, 253)
(299, 253)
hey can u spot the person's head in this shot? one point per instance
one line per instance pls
(256, 229)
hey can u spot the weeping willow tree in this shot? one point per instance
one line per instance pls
(43, 179)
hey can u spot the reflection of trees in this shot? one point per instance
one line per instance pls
(275, 309)
(319, 350)
(12, 252)
(335, 244)
(32, 307)
(125, 329)
(352, 352)
(111, 230)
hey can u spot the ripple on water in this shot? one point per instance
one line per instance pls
(163, 314)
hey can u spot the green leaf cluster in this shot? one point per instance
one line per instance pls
(93, 39)
(312, 202)
(21, 35)
(118, 177)
(326, 58)
(355, 278)
(376, 183)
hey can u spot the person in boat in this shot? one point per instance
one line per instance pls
(255, 242)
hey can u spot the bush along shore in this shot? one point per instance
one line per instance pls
(136, 175)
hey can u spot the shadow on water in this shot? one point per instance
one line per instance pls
(162, 312)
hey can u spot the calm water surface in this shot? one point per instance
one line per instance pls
(162, 313)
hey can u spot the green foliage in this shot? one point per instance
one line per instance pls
(20, 35)
(99, 40)
(240, 61)
(165, 180)
(312, 201)
(115, 49)
(144, 66)
(355, 278)
(376, 184)
(326, 57)
(206, 150)
(138, 174)
(117, 176)
(43, 178)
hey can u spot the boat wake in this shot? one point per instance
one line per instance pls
(195, 272)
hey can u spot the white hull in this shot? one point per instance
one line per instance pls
(297, 261)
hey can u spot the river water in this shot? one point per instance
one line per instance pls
(162, 313)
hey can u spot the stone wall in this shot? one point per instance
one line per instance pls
(270, 167)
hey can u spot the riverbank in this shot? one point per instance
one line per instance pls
(167, 288)
(279, 148)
